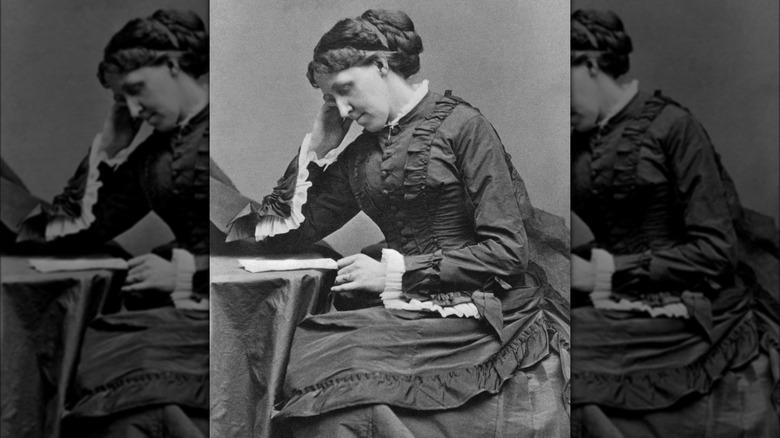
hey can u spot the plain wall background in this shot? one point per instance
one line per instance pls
(52, 102)
(720, 60)
(509, 58)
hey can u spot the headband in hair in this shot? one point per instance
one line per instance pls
(588, 34)
(378, 33)
(171, 36)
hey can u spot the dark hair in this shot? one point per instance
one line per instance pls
(599, 35)
(362, 40)
(154, 40)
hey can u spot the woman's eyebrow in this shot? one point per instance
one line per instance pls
(131, 86)
(343, 86)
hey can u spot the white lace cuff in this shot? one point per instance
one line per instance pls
(182, 296)
(393, 297)
(674, 310)
(603, 267)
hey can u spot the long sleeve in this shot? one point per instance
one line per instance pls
(501, 250)
(309, 202)
(98, 203)
(709, 251)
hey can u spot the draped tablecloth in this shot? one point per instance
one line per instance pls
(253, 319)
(42, 320)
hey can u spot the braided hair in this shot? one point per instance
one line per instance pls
(361, 41)
(154, 40)
(600, 36)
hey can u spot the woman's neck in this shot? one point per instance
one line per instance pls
(195, 97)
(400, 95)
(611, 93)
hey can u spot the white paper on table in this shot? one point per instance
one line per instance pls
(54, 265)
(253, 265)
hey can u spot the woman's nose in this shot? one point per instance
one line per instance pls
(134, 107)
(344, 107)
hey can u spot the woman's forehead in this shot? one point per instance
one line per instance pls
(326, 81)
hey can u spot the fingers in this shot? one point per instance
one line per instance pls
(135, 261)
(142, 285)
(346, 123)
(346, 287)
(346, 261)
(344, 278)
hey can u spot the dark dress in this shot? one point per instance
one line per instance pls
(143, 352)
(650, 187)
(444, 193)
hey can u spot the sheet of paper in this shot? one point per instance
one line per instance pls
(55, 265)
(253, 265)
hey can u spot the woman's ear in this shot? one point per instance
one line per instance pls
(381, 64)
(593, 66)
(173, 66)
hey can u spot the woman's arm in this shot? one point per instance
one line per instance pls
(98, 203)
(311, 200)
(708, 255)
(502, 250)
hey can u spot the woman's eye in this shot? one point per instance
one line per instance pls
(343, 90)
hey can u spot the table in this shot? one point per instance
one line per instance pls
(43, 317)
(253, 319)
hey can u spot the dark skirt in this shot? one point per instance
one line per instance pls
(136, 359)
(419, 369)
(638, 376)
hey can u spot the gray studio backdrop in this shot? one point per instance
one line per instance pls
(509, 58)
(52, 102)
(719, 59)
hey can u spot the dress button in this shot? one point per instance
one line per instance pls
(385, 192)
(385, 174)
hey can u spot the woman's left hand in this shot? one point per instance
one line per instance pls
(360, 272)
(150, 272)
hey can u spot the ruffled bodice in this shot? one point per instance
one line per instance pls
(648, 185)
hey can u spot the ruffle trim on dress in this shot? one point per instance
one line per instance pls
(191, 390)
(71, 211)
(662, 388)
(282, 210)
(431, 391)
(393, 297)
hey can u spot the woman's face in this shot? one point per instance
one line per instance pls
(360, 93)
(151, 93)
(584, 98)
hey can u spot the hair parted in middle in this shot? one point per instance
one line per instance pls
(600, 36)
(361, 41)
(154, 40)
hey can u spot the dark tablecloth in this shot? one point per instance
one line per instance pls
(43, 318)
(253, 319)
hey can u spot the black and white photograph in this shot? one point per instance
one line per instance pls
(105, 184)
(674, 119)
(408, 163)
(409, 219)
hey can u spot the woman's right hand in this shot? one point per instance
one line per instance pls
(329, 130)
(119, 130)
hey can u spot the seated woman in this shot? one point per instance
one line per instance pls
(449, 334)
(146, 366)
(669, 338)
